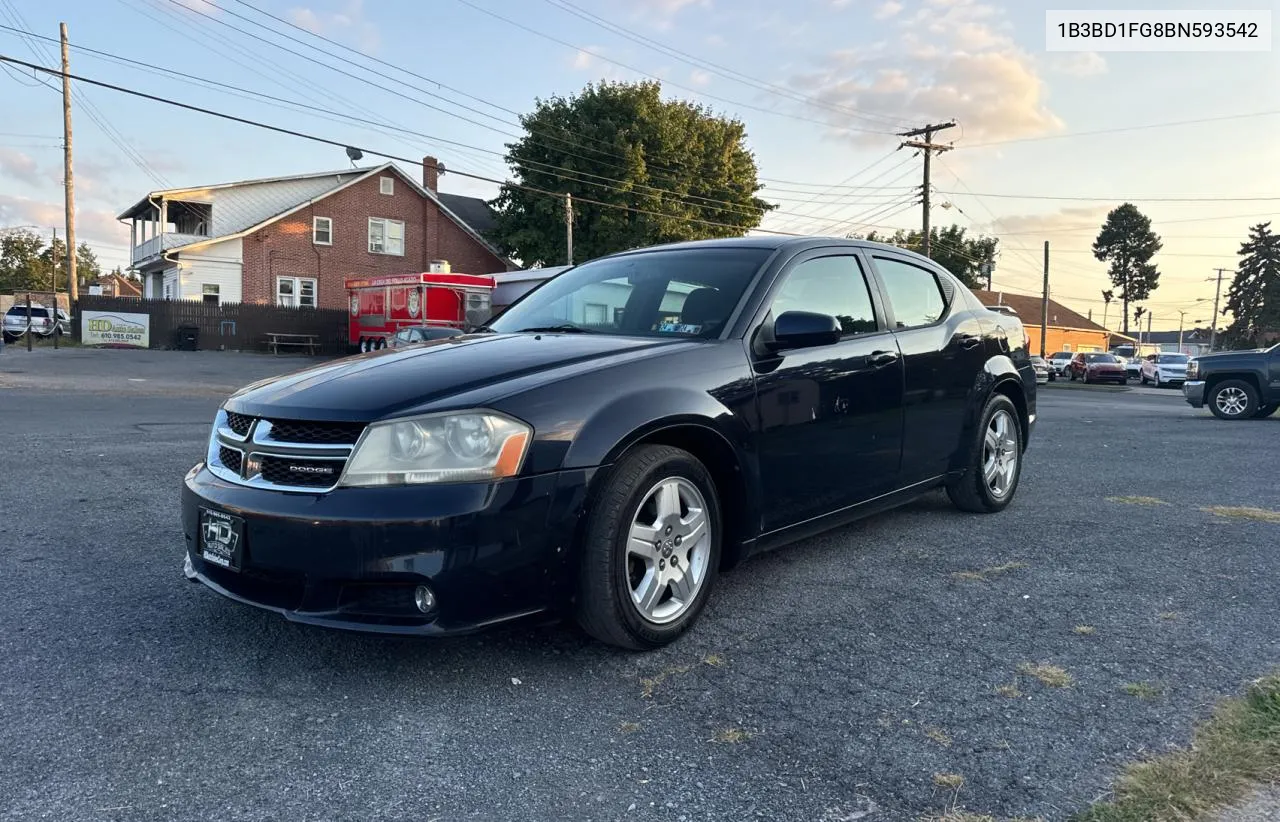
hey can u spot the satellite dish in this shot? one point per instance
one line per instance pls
(354, 154)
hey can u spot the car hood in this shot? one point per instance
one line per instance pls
(1230, 355)
(370, 386)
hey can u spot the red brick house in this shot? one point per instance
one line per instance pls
(295, 240)
(114, 285)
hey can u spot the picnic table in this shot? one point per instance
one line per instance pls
(308, 341)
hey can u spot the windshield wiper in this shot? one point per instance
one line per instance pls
(567, 327)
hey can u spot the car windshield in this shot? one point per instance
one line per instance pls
(1100, 358)
(1172, 358)
(688, 292)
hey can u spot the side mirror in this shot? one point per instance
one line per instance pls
(804, 329)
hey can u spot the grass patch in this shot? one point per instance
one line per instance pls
(731, 736)
(986, 574)
(1236, 512)
(965, 816)
(649, 685)
(628, 727)
(1084, 630)
(1049, 675)
(938, 735)
(1169, 616)
(1137, 500)
(950, 781)
(1229, 755)
(1009, 691)
(1142, 690)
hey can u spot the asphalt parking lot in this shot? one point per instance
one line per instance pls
(834, 680)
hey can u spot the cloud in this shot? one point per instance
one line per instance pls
(661, 14)
(91, 225)
(587, 58)
(347, 22)
(716, 41)
(950, 58)
(1069, 221)
(19, 166)
(699, 78)
(888, 9)
(198, 6)
(1079, 64)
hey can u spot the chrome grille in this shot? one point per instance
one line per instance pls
(281, 455)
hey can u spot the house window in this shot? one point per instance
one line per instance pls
(386, 236)
(322, 230)
(296, 292)
(209, 293)
(386, 185)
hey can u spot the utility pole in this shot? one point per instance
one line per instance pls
(568, 226)
(53, 275)
(73, 286)
(1044, 301)
(1213, 333)
(1182, 319)
(928, 147)
(1148, 328)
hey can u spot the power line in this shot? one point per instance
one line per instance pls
(688, 89)
(716, 68)
(340, 144)
(1128, 199)
(1121, 129)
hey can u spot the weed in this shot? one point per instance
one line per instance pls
(1010, 691)
(1142, 690)
(1137, 500)
(938, 735)
(1237, 512)
(629, 727)
(986, 574)
(1084, 630)
(731, 736)
(1049, 675)
(950, 781)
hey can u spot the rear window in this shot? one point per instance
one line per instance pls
(21, 311)
(1172, 358)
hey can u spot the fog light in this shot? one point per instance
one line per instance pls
(424, 599)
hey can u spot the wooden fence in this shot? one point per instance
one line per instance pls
(228, 326)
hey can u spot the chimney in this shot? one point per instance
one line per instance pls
(431, 171)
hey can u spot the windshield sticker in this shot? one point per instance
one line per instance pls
(680, 328)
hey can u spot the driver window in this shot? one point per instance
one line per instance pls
(829, 285)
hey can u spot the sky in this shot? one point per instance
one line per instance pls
(1045, 143)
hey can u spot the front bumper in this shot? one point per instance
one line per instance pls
(1193, 393)
(352, 558)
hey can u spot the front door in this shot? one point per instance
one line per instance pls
(830, 415)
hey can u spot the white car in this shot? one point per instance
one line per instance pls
(1059, 362)
(17, 322)
(1164, 369)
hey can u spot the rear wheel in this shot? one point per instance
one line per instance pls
(652, 549)
(1266, 410)
(1233, 400)
(994, 466)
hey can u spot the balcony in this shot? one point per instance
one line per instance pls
(152, 246)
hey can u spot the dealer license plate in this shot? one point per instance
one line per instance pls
(221, 539)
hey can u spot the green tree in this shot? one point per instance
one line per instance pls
(665, 170)
(88, 268)
(963, 256)
(1254, 297)
(20, 265)
(1127, 242)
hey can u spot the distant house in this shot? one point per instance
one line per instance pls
(115, 285)
(295, 240)
(1194, 341)
(1066, 330)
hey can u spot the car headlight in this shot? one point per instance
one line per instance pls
(455, 446)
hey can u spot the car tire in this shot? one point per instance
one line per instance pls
(621, 598)
(1233, 400)
(994, 453)
(1265, 411)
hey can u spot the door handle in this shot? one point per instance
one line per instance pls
(969, 341)
(878, 359)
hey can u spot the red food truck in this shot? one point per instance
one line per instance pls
(381, 306)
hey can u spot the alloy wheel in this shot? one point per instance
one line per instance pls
(668, 547)
(1000, 454)
(1231, 401)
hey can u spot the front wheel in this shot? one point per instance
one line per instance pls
(1233, 400)
(994, 467)
(651, 551)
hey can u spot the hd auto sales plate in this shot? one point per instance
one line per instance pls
(221, 539)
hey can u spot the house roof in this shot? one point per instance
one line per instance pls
(472, 214)
(122, 284)
(144, 205)
(1029, 309)
(1189, 335)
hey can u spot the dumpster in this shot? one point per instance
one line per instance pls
(188, 337)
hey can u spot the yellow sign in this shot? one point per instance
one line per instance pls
(115, 329)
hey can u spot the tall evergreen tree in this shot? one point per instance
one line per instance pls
(1127, 242)
(1253, 300)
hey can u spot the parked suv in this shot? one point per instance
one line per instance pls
(612, 441)
(1097, 367)
(1059, 362)
(41, 322)
(1236, 385)
(1164, 369)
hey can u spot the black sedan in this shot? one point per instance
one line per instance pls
(612, 441)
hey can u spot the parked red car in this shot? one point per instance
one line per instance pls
(1098, 368)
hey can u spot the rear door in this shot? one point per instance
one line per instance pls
(943, 346)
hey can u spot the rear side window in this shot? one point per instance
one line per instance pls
(913, 292)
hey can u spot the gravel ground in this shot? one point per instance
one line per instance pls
(828, 681)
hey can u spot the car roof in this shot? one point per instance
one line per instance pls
(777, 242)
